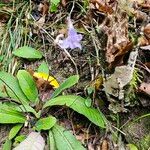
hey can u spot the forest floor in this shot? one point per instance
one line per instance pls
(106, 43)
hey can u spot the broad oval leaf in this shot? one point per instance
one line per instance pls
(78, 104)
(19, 138)
(66, 84)
(28, 53)
(65, 140)
(11, 83)
(8, 115)
(43, 68)
(51, 142)
(27, 85)
(7, 145)
(34, 141)
(45, 123)
(13, 132)
(20, 108)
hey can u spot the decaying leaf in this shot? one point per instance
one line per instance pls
(40, 22)
(118, 42)
(140, 16)
(105, 145)
(43, 77)
(43, 8)
(147, 31)
(102, 6)
(145, 39)
(145, 4)
(142, 41)
(34, 141)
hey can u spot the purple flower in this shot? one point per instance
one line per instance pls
(73, 39)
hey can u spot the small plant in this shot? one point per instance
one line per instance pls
(53, 5)
(21, 111)
(131, 96)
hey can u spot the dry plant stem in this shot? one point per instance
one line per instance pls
(87, 133)
(68, 54)
(70, 118)
(91, 70)
(44, 49)
(143, 66)
(119, 130)
(95, 45)
(97, 50)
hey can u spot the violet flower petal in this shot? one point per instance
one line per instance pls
(73, 39)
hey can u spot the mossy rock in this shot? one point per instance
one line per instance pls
(138, 133)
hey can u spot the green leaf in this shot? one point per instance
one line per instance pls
(20, 108)
(7, 145)
(77, 103)
(53, 8)
(132, 147)
(11, 84)
(65, 140)
(27, 85)
(54, 5)
(45, 123)
(88, 102)
(43, 68)
(66, 84)
(56, 2)
(8, 115)
(13, 132)
(28, 53)
(2, 90)
(27, 108)
(20, 138)
(52, 144)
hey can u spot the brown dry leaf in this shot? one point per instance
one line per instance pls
(102, 5)
(145, 39)
(137, 1)
(145, 4)
(147, 65)
(118, 42)
(145, 87)
(64, 3)
(147, 31)
(142, 41)
(40, 22)
(105, 145)
(43, 8)
(140, 16)
(63, 31)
